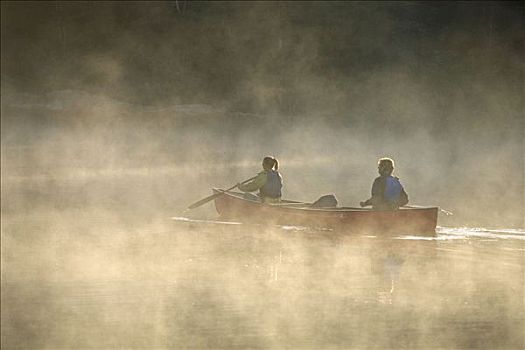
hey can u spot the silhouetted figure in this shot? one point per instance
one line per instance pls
(387, 191)
(268, 182)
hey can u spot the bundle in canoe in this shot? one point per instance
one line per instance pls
(418, 220)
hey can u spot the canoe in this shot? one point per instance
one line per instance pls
(406, 220)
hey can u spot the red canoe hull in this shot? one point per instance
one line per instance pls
(420, 221)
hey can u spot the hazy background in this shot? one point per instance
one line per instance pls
(116, 116)
(146, 106)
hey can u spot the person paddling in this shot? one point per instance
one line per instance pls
(387, 191)
(269, 182)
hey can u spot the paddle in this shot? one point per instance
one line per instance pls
(446, 212)
(215, 195)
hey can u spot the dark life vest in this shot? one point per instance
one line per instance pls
(393, 189)
(273, 185)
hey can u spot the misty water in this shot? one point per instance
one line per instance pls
(77, 275)
(99, 252)
(115, 116)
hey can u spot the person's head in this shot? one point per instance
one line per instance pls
(270, 163)
(385, 166)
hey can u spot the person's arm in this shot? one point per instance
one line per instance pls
(403, 197)
(255, 184)
(378, 188)
(365, 203)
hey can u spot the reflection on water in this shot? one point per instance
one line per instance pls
(87, 280)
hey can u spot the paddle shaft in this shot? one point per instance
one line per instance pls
(215, 195)
(446, 212)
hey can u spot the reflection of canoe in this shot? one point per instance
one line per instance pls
(420, 220)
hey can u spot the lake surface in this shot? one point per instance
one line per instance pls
(87, 278)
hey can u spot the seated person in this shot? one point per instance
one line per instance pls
(268, 182)
(387, 191)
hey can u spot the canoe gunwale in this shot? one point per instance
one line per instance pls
(283, 205)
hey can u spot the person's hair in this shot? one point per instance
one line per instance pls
(387, 164)
(270, 163)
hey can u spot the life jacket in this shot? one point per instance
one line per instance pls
(273, 185)
(393, 189)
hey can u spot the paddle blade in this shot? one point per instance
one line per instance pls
(205, 200)
(215, 195)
